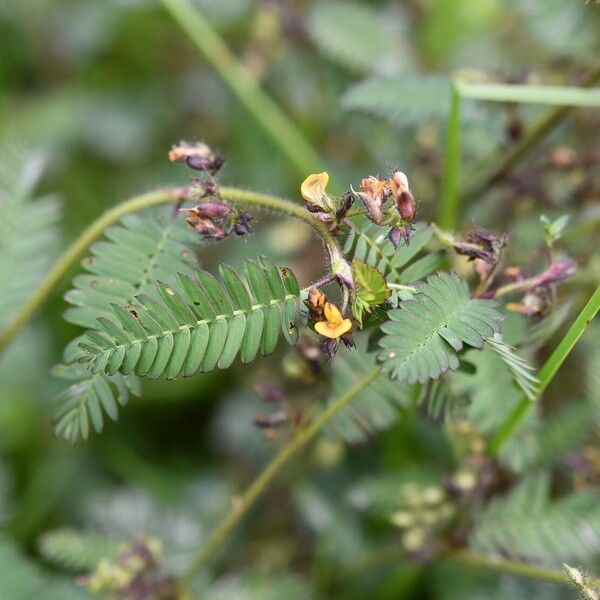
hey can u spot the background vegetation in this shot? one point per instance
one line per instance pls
(93, 94)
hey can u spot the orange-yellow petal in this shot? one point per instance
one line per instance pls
(332, 314)
(313, 187)
(333, 332)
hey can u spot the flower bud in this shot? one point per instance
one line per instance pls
(270, 393)
(400, 234)
(405, 203)
(557, 271)
(372, 193)
(315, 197)
(205, 226)
(398, 183)
(212, 210)
(197, 156)
(345, 203)
(532, 305)
(316, 303)
(340, 267)
(330, 347)
(210, 165)
(482, 245)
(242, 224)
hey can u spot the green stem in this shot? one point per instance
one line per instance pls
(268, 114)
(280, 205)
(76, 250)
(515, 286)
(502, 164)
(450, 186)
(471, 559)
(162, 196)
(262, 482)
(547, 372)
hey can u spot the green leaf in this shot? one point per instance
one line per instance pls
(77, 551)
(28, 231)
(376, 408)
(404, 100)
(86, 401)
(523, 373)
(6, 485)
(423, 335)
(553, 229)
(140, 250)
(22, 578)
(371, 288)
(370, 244)
(135, 254)
(203, 329)
(354, 35)
(526, 523)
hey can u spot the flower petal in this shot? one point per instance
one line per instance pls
(344, 327)
(332, 314)
(324, 329)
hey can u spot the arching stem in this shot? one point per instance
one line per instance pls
(157, 197)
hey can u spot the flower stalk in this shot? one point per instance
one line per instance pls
(173, 195)
(260, 485)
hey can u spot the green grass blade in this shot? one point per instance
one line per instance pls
(530, 94)
(548, 371)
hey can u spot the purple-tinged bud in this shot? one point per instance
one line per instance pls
(345, 203)
(395, 236)
(330, 347)
(474, 252)
(198, 156)
(209, 164)
(557, 271)
(400, 234)
(270, 393)
(483, 245)
(205, 226)
(213, 210)
(405, 203)
(242, 225)
(348, 341)
(210, 186)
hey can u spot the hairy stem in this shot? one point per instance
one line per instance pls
(515, 286)
(547, 372)
(76, 250)
(268, 114)
(263, 481)
(280, 205)
(162, 196)
(471, 559)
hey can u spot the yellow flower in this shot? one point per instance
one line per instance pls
(335, 325)
(313, 191)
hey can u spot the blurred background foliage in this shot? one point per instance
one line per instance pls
(100, 90)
